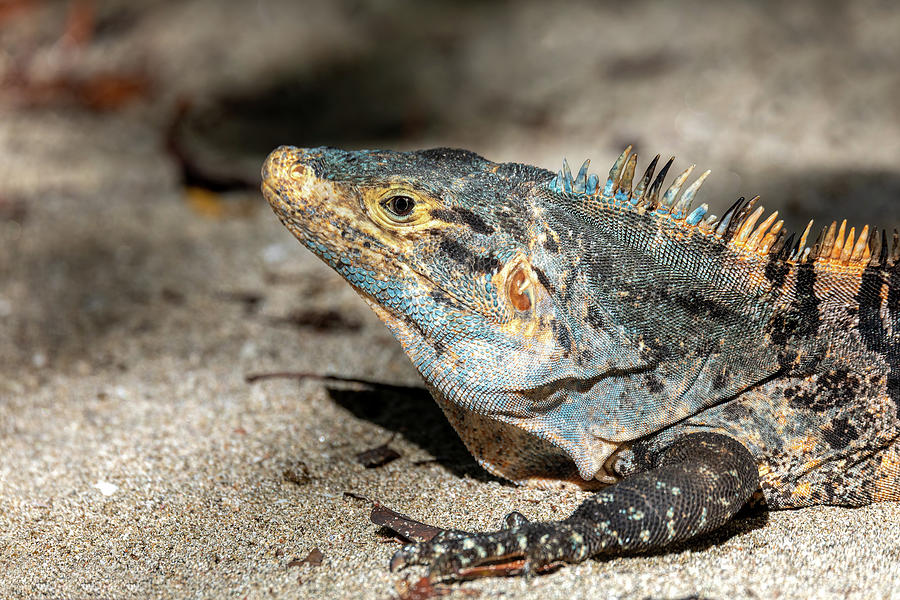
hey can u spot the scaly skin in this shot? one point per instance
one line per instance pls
(600, 335)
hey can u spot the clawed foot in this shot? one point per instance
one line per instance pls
(521, 548)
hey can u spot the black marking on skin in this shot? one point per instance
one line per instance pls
(736, 412)
(830, 490)
(441, 155)
(461, 254)
(893, 352)
(510, 225)
(833, 388)
(806, 300)
(474, 221)
(655, 352)
(595, 317)
(893, 388)
(720, 380)
(562, 335)
(599, 268)
(707, 347)
(872, 329)
(544, 281)
(486, 264)
(585, 356)
(776, 271)
(463, 216)
(801, 318)
(551, 245)
(696, 304)
(840, 433)
(869, 300)
(569, 286)
(441, 298)
(654, 386)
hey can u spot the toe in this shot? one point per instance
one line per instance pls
(514, 519)
(404, 557)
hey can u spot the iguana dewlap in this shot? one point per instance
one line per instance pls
(596, 332)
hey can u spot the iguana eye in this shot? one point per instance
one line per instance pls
(399, 206)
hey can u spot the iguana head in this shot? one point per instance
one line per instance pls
(552, 321)
(440, 244)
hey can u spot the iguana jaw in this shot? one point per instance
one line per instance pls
(506, 445)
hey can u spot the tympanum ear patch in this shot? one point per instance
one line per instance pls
(520, 289)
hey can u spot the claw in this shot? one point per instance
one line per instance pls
(398, 561)
(528, 570)
(522, 548)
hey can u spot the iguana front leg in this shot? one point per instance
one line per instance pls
(698, 483)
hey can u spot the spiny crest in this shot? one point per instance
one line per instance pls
(738, 226)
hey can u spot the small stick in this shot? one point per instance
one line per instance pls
(300, 375)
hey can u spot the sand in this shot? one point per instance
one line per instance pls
(136, 461)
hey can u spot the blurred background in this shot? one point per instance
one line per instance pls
(111, 112)
(142, 275)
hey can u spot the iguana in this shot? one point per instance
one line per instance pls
(608, 335)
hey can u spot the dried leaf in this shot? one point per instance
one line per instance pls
(407, 528)
(423, 589)
(172, 295)
(111, 91)
(314, 559)
(377, 456)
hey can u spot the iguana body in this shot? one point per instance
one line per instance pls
(603, 335)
